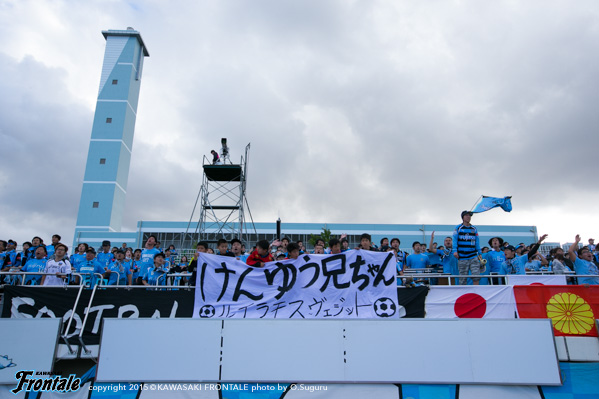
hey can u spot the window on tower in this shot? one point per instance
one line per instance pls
(96, 205)
(102, 161)
(115, 81)
(108, 120)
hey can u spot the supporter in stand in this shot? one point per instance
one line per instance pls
(118, 273)
(495, 257)
(384, 244)
(583, 263)
(466, 248)
(236, 249)
(284, 244)
(89, 269)
(536, 262)
(173, 250)
(318, 249)
(36, 265)
(557, 263)
(222, 248)
(169, 259)
(35, 243)
(591, 245)
(58, 269)
(513, 263)
(50, 248)
(147, 255)
(344, 244)
(3, 245)
(417, 260)
(136, 267)
(80, 255)
(366, 243)
(401, 256)
(12, 262)
(302, 248)
(26, 253)
(293, 251)
(153, 275)
(105, 257)
(449, 262)
(335, 246)
(260, 256)
(201, 247)
(397, 252)
(210, 251)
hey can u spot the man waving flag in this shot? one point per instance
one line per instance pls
(487, 203)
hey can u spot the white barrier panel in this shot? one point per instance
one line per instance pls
(466, 351)
(27, 344)
(555, 279)
(421, 351)
(159, 350)
(283, 350)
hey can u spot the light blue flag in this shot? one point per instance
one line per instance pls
(487, 203)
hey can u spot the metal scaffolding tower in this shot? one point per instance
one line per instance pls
(223, 204)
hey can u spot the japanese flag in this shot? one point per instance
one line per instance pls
(470, 301)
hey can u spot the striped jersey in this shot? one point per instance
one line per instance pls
(465, 241)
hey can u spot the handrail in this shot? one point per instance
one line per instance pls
(66, 332)
(87, 311)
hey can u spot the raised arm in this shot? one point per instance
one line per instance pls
(535, 247)
(573, 248)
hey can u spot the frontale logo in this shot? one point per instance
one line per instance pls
(52, 384)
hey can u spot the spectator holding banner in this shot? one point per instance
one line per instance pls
(583, 263)
(260, 256)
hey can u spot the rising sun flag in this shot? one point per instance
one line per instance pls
(572, 309)
(486, 203)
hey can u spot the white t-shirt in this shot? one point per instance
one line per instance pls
(62, 266)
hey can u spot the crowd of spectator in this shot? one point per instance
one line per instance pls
(460, 254)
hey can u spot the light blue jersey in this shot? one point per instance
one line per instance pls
(494, 260)
(104, 258)
(417, 261)
(123, 271)
(153, 275)
(88, 270)
(514, 266)
(147, 260)
(582, 266)
(34, 266)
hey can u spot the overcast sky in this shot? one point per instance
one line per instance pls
(357, 111)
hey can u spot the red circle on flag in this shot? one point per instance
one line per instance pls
(537, 284)
(471, 306)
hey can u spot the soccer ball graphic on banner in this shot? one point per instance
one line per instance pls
(384, 307)
(207, 311)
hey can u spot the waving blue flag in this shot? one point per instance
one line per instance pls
(487, 203)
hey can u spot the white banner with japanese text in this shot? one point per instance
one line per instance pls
(353, 284)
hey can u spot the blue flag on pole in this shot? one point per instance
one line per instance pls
(487, 203)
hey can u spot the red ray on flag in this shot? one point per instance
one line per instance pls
(571, 308)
